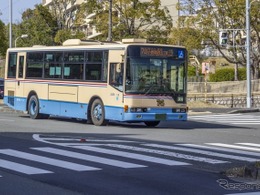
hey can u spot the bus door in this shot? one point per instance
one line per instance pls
(20, 75)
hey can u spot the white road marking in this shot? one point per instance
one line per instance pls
(132, 155)
(166, 153)
(8, 120)
(247, 193)
(234, 146)
(246, 123)
(91, 158)
(22, 168)
(86, 139)
(46, 160)
(235, 119)
(209, 153)
(221, 149)
(249, 144)
(216, 116)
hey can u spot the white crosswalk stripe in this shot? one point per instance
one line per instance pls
(234, 119)
(235, 146)
(208, 153)
(21, 168)
(166, 153)
(124, 155)
(246, 193)
(81, 156)
(249, 144)
(222, 149)
(46, 160)
(132, 155)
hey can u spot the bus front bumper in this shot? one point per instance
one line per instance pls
(155, 117)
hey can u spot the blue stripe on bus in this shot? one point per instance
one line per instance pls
(65, 109)
(62, 108)
(79, 110)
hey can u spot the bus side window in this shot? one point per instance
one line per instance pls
(93, 72)
(116, 75)
(21, 70)
(53, 64)
(12, 65)
(73, 71)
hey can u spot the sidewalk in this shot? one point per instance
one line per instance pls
(197, 111)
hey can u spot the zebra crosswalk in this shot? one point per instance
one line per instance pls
(98, 155)
(234, 119)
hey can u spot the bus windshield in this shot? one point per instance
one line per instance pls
(155, 76)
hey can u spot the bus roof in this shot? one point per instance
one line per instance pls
(90, 44)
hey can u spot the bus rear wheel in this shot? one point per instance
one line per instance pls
(98, 113)
(151, 123)
(33, 107)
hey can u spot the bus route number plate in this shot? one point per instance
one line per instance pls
(160, 116)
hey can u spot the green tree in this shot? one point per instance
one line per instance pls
(210, 16)
(189, 37)
(131, 19)
(40, 26)
(63, 35)
(63, 12)
(3, 38)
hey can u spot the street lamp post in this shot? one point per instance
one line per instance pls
(248, 45)
(22, 37)
(248, 67)
(11, 22)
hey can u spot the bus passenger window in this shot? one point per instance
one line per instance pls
(93, 72)
(53, 64)
(73, 71)
(34, 64)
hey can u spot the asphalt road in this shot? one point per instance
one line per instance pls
(63, 156)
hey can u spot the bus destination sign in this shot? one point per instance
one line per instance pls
(156, 52)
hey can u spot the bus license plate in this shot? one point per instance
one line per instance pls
(160, 116)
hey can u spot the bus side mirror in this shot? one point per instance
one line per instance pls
(118, 67)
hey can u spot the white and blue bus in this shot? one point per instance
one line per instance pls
(128, 81)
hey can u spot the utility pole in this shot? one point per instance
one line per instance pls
(248, 66)
(10, 23)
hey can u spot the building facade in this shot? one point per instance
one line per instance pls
(67, 18)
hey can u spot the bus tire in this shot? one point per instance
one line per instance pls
(151, 123)
(34, 107)
(98, 113)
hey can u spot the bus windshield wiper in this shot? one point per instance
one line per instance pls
(166, 90)
(150, 88)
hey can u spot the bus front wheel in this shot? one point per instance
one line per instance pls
(98, 113)
(33, 107)
(151, 123)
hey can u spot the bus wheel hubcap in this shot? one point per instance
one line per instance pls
(33, 107)
(98, 112)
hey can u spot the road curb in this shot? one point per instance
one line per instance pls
(244, 111)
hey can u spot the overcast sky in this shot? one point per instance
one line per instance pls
(19, 6)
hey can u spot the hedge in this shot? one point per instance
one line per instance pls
(227, 74)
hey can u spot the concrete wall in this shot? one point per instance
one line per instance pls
(232, 87)
(232, 94)
(228, 100)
